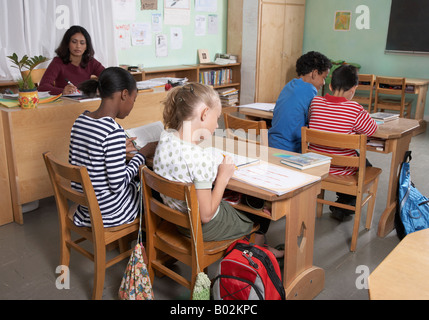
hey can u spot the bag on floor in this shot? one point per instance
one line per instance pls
(248, 272)
(412, 208)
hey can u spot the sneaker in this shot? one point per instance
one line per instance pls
(338, 214)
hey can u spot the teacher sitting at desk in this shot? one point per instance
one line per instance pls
(74, 64)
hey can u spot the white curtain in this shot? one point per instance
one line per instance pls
(36, 27)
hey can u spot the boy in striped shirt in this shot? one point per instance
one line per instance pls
(337, 113)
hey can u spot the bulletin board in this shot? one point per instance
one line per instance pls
(152, 33)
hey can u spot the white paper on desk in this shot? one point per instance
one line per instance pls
(238, 160)
(148, 133)
(259, 106)
(274, 178)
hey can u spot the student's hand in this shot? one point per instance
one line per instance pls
(69, 89)
(149, 150)
(226, 169)
(129, 145)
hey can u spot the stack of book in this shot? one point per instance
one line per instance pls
(228, 96)
(381, 117)
(305, 160)
(225, 58)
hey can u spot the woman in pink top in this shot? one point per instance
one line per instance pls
(73, 65)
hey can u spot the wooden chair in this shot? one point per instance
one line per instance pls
(365, 181)
(36, 75)
(365, 91)
(67, 199)
(390, 95)
(164, 241)
(250, 129)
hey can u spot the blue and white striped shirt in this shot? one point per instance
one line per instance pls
(99, 145)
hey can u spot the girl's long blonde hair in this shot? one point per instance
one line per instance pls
(181, 102)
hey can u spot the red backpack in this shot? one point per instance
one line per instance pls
(248, 272)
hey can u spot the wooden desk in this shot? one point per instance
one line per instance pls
(8, 84)
(301, 279)
(26, 134)
(404, 273)
(397, 135)
(419, 87)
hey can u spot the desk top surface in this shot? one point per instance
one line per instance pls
(389, 130)
(404, 273)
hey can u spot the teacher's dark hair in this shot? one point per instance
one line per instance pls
(111, 80)
(63, 51)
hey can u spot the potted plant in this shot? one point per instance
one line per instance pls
(28, 94)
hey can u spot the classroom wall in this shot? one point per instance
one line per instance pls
(363, 46)
(146, 54)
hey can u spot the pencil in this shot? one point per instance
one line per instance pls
(234, 164)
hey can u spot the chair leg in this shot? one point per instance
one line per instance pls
(356, 224)
(371, 204)
(319, 207)
(100, 272)
(64, 248)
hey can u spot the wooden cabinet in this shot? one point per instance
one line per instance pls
(268, 36)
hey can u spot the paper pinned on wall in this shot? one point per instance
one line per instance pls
(123, 36)
(149, 5)
(124, 9)
(176, 38)
(212, 24)
(161, 45)
(156, 22)
(141, 34)
(206, 5)
(177, 17)
(200, 25)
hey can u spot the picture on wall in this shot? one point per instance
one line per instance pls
(342, 20)
(177, 4)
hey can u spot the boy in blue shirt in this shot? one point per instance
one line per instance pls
(291, 109)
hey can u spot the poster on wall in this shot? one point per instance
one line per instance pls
(177, 12)
(161, 48)
(200, 25)
(342, 20)
(206, 5)
(123, 36)
(124, 9)
(148, 5)
(156, 22)
(141, 34)
(176, 38)
(177, 4)
(212, 24)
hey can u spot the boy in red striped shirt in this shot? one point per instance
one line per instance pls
(337, 113)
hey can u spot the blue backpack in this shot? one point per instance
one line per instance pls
(412, 210)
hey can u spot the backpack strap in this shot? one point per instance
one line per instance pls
(407, 156)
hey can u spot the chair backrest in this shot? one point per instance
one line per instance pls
(62, 175)
(36, 75)
(155, 209)
(366, 83)
(250, 129)
(390, 86)
(337, 140)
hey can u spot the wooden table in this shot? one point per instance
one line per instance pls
(26, 134)
(301, 279)
(419, 87)
(397, 136)
(404, 273)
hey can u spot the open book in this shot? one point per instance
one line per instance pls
(147, 133)
(274, 178)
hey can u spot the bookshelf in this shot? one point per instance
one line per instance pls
(193, 72)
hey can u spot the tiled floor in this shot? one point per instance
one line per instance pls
(29, 253)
